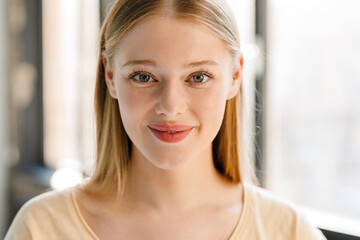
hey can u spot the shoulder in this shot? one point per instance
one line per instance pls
(49, 214)
(49, 199)
(43, 204)
(46, 204)
(274, 217)
(267, 202)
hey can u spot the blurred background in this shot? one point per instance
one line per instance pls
(302, 85)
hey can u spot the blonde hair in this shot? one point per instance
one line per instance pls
(113, 144)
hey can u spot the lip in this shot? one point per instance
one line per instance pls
(170, 133)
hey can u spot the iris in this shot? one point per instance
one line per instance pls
(198, 78)
(144, 78)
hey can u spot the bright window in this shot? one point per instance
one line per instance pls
(70, 36)
(313, 113)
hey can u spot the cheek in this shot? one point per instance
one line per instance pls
(210, 106)
(133, 105)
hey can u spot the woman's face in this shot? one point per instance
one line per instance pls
(172, 79)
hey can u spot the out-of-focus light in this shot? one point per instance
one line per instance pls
(64, 178)
(250, 51)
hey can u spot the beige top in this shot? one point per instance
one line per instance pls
(55, 215)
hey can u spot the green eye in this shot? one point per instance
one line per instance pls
(198, 78)
(142, 77)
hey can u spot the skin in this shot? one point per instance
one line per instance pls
(174, 190)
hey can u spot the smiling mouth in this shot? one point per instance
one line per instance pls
(170, 134)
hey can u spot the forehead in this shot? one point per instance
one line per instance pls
(169, 40)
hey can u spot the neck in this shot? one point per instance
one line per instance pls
(193, 184)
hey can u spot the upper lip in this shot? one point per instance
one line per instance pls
(170, 127)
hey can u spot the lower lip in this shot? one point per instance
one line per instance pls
(164, 136)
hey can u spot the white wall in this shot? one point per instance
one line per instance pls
(4, 123)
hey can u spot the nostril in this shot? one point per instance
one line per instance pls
(167, 110)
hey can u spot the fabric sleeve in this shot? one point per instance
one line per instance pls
(50, 215)
(19, 230)
(306, 230)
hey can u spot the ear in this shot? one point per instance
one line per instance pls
(109, 76)
(236, 78)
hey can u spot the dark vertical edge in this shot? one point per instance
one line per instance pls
(260, 95)
(31, 139)
(101, 10)
(104, 7)
(5, 130)
(40, 82)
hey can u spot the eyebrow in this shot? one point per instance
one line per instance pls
(153, 64)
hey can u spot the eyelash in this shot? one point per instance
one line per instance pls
(139, 72)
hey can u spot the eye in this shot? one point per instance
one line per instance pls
(201, 77)
(141, 77)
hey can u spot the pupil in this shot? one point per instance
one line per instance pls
(144, 78)
(198, 78)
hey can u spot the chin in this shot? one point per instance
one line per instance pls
(170, 162)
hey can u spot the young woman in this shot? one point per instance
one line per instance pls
(170, 155)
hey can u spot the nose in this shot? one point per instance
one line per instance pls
(172, 99)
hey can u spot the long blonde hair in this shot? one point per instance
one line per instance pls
(113, 144)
